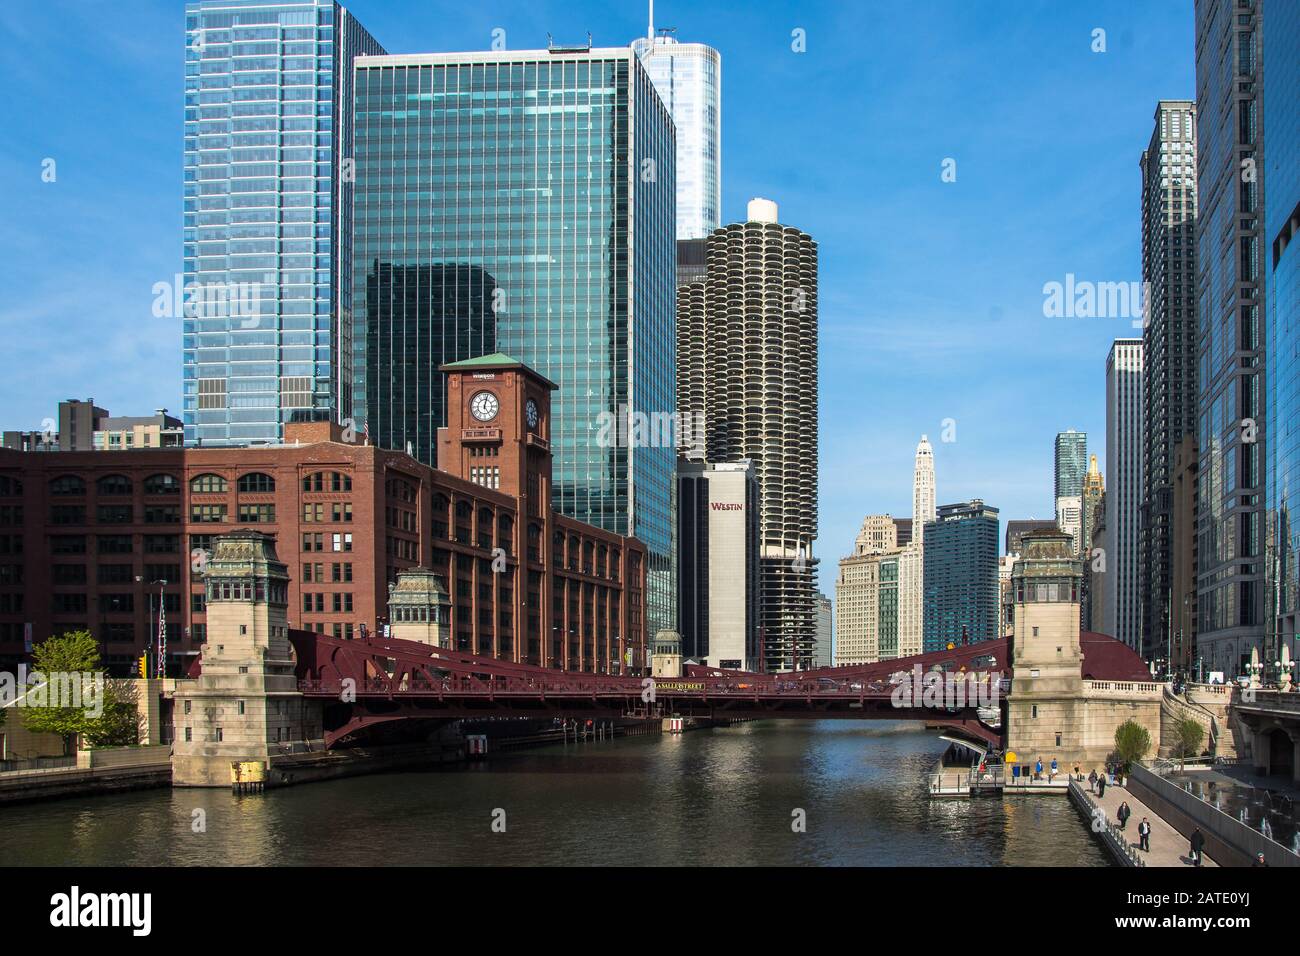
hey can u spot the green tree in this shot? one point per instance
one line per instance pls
(74, 652)
(1188, 735)
(1132, 742)
(121, 722)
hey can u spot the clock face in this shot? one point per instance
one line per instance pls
(530, 413)
(484, 406)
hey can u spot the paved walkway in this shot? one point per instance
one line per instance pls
(1168, 846)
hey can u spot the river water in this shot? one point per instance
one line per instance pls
(725, 796)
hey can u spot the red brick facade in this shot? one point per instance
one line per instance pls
(82, 535)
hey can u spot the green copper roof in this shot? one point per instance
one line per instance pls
(495, 360)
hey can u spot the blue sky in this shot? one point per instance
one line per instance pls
(931, 294)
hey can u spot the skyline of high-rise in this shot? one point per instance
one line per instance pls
(267, 216)
(962, 450)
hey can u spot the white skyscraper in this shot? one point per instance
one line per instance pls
(923, 494)
(688, 78)
(1122, 614)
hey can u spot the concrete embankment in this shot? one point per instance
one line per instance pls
(112, 770)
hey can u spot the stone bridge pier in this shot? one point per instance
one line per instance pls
(244, 712)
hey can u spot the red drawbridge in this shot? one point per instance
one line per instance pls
(365, 683)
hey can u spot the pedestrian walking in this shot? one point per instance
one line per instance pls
(1144, 835)
(1197, 844)
(1038, 769)
(1101, 785)
(1124, 812)
(1092, 781)
(1054, 771)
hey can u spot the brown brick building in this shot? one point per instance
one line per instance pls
(85, 537)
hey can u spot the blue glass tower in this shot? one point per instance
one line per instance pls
(267, 216)
(524, 202)
(1281, 173)
(1234, 433)
(961, 575)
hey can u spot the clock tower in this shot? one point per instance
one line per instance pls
(498, 429)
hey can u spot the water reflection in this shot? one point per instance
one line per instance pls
(719, 797)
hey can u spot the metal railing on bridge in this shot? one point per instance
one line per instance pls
(1114, 838)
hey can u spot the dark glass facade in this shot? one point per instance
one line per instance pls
(961, 575)
(1169, 215)
(524, 202)
(1233, 432)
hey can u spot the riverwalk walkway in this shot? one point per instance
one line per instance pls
(1168, 846)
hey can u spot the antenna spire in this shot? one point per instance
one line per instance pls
(651, 34)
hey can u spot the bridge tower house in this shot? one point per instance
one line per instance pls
(419, 608)
(244, 711)
(1046, 713)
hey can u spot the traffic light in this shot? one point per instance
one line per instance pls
(144, 665)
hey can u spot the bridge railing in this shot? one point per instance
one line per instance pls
(1125, 688)
(1288, 701)
(1109, 831)
(462, 685)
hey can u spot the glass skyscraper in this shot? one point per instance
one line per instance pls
(688, 78)
(1169, 370)
(1233, 432)
(1071, 463)
(961, 576)
(1281, 79)
(267, 216)
(523, 202)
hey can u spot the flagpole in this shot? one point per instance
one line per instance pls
(162, 631)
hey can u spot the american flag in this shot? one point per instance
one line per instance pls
(162, 637)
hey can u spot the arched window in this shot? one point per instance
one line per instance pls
(67, 485)
(162, 485)
(441, 511)
(208, 484)
(464, 517)
(113, 485)
(255, 481)
(505, 532)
